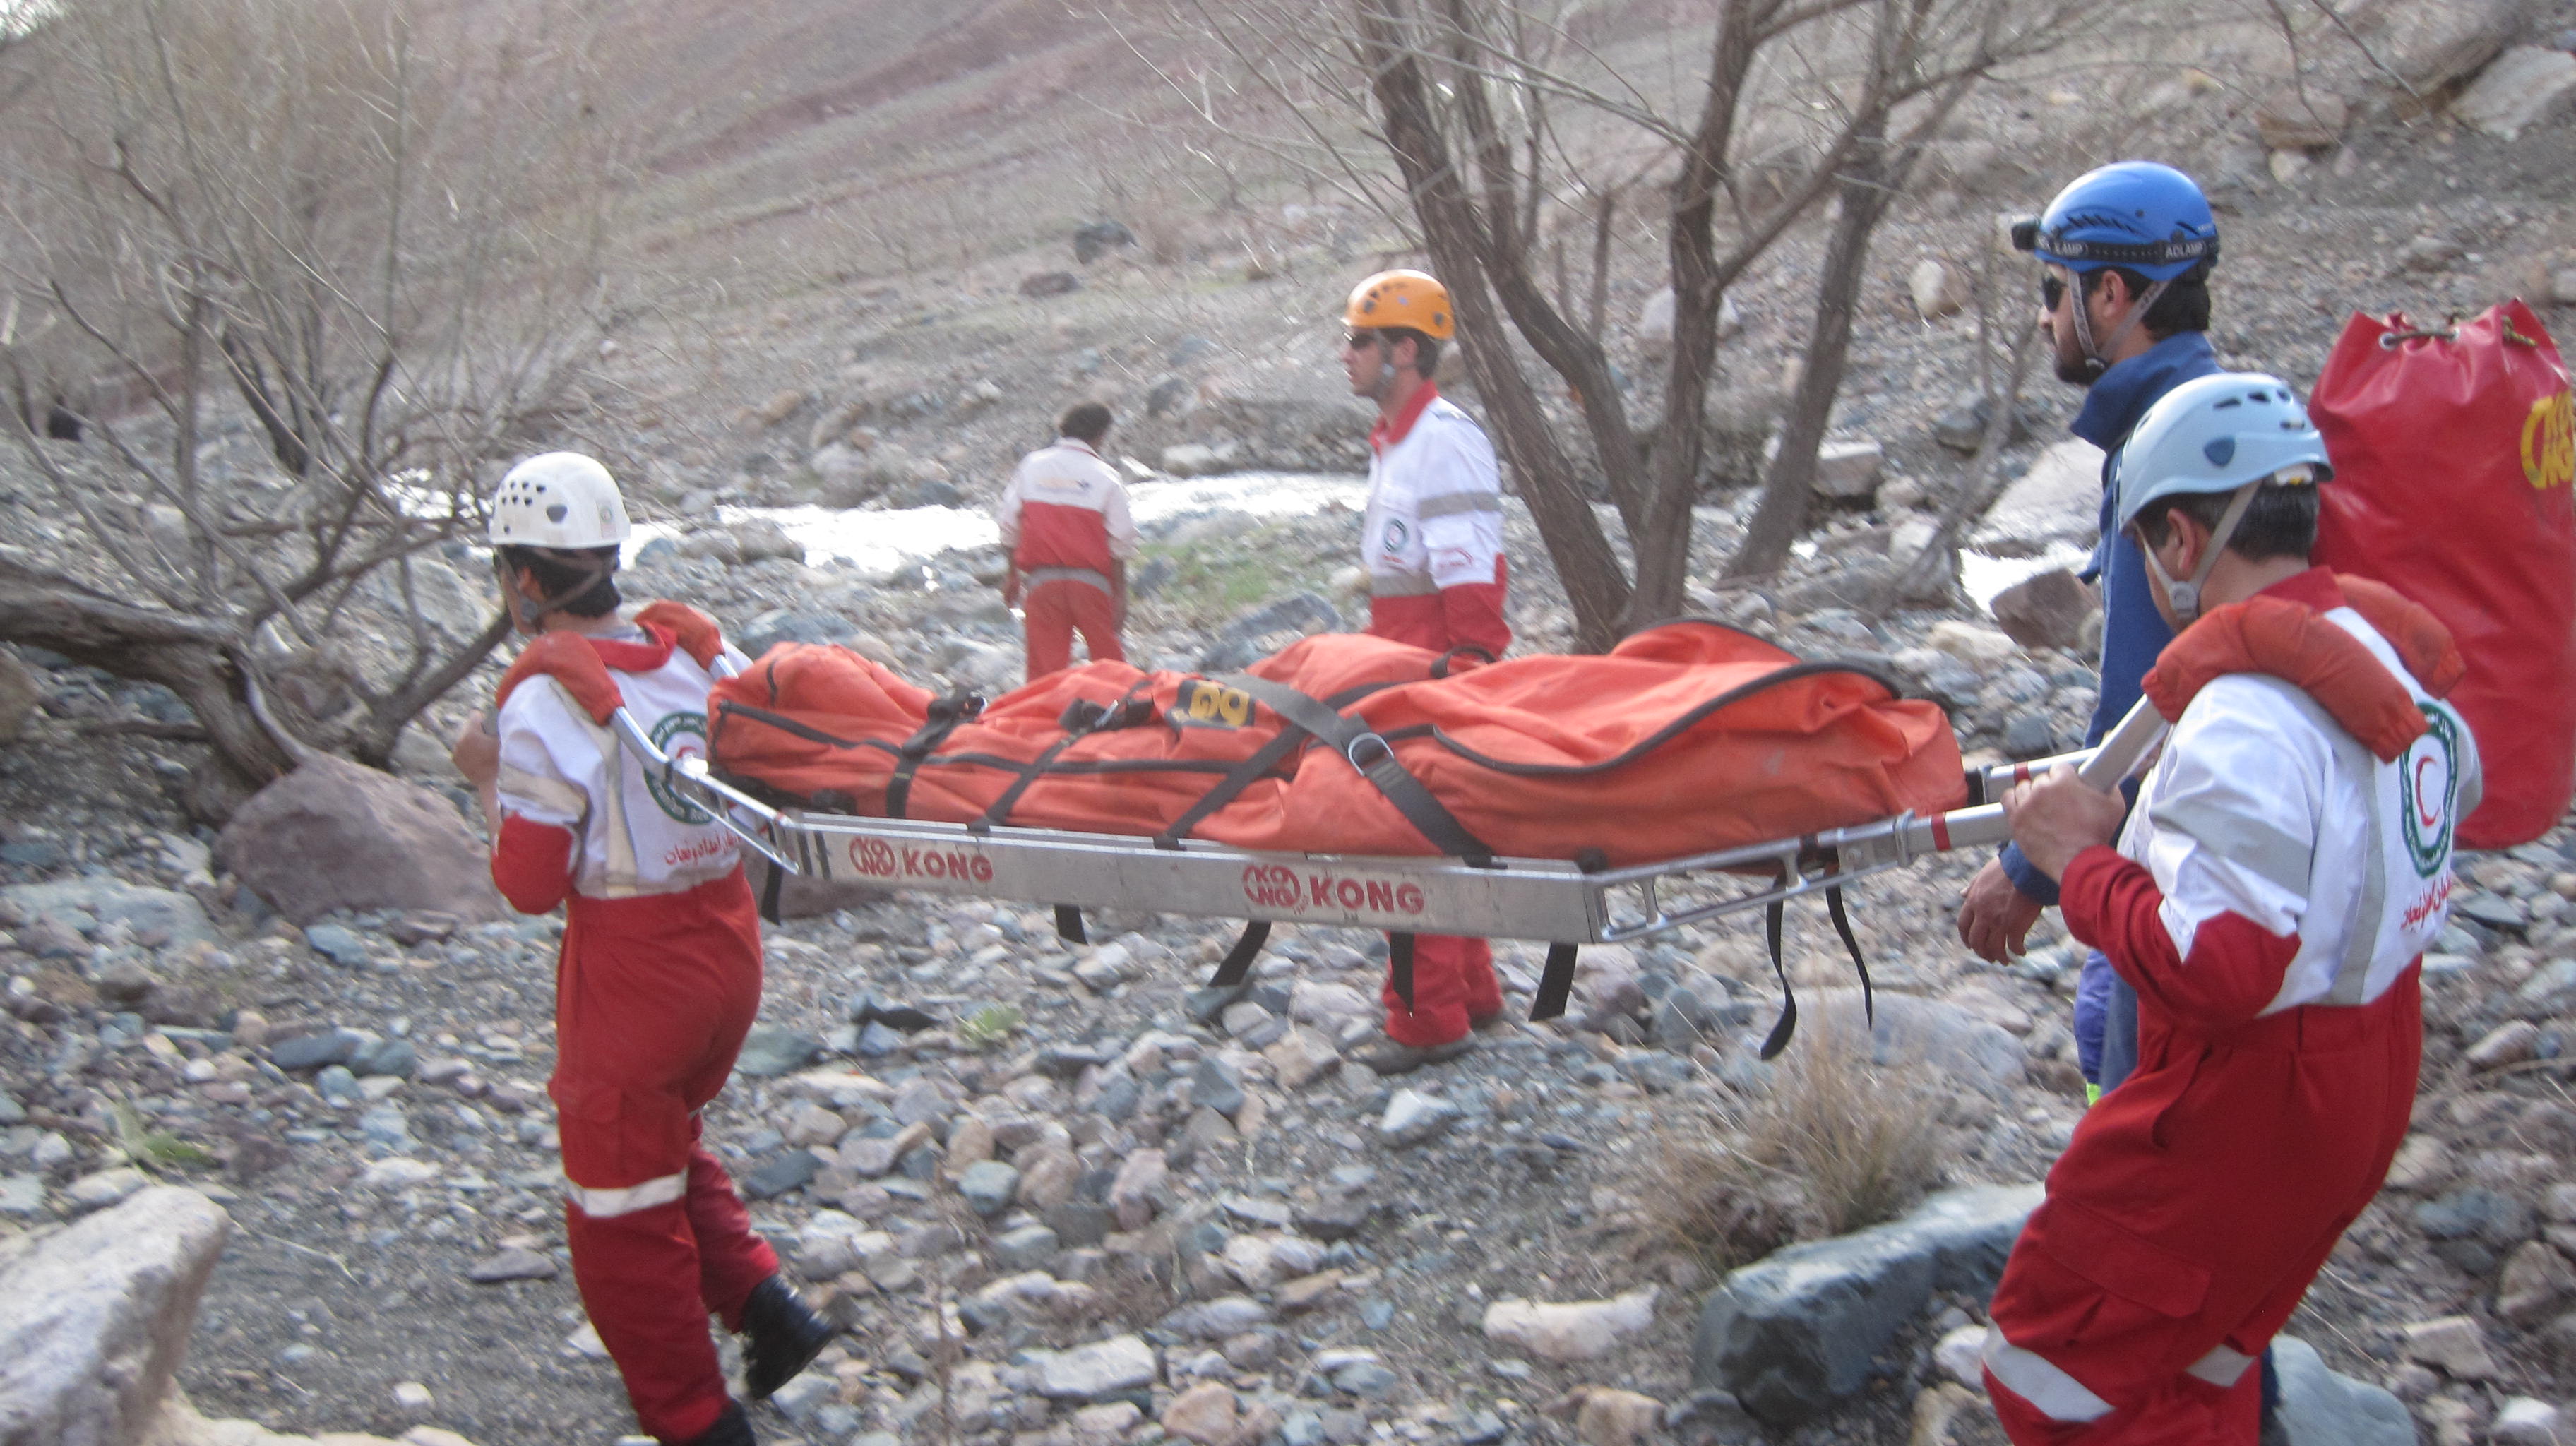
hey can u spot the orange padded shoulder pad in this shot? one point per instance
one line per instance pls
(696, 633)
(2301, 646)
(569, 659)
(2423, 644)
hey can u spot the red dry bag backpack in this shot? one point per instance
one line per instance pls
(2454, 452)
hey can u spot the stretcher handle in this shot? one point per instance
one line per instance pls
(689, 778)
(2002, 776)
(2104, 767)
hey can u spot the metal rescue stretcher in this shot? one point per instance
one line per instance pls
(1546, 900)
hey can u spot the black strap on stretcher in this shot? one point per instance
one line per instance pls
(1361, 747)
(1772, 917)
(1352, 738)
(1556, 981)
(945, 714)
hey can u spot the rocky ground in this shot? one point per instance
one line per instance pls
(1074, 1145)
(1060, 1197)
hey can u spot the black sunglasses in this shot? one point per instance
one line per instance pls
(1363, 338)
(2052, 290)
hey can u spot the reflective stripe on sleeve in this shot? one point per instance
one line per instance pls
(2257, 847)
(1450, 504)
(545, 792)
(2029, 1375)
(603, 1204)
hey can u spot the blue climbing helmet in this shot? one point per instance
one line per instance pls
(2227, 432)
(2136, 215)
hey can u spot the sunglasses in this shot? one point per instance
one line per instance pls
(2052, 290)
(1364, 338)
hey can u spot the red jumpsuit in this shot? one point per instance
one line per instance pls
(657, 983)
(2272, 894)
(1065, 522)
(1433, 536)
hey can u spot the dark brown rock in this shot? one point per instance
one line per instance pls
(2046, 611)
(334, 835)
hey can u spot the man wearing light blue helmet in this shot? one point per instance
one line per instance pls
(2128, 249)
(2269, 900)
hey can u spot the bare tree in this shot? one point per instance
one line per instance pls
(321, 261)
(1498, 113)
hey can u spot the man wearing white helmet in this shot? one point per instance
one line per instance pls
(2270, 899)
(659, 972)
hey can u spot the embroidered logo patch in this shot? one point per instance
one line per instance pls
(2427, 786)
(1396, 534)
(678, 735)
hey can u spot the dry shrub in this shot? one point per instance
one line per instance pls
(1835, 1143)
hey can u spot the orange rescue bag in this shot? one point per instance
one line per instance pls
(1685, 739)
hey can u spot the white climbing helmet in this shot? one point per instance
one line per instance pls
(559, 500)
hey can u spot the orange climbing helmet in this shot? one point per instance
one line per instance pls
(1412, 299)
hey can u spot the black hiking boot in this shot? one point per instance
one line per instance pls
(784, 1336)
(733, 1428)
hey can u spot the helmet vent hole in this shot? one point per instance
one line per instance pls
(2221, 451)
(558, 512)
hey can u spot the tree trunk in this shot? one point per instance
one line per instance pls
(191, 657)
(1868, 184)
(1585, 565)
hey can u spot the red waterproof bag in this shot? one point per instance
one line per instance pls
(2455, 483)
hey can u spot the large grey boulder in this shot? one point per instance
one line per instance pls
(161, 916)
(1910, 1032)
(1795, 1331)
(2058, 500)
(2523, 88)
(335, 835)
(2320, 1408)
(2433, 44)
(93, 1319)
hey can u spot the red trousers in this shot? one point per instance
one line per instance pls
(1453, 984)
(1453, 978)
(1471, 612)
(652, 998)
(1053, 611)
(2187, 1218)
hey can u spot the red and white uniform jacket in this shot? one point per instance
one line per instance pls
(2293, 844)
(1433, 534)
(1064, 516)
(578, 812)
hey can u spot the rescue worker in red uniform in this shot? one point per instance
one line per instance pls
(1066, 527)
(659, 974)
(1433, 544)
(2269, 900)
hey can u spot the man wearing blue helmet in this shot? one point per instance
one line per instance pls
(2269, 900)
(2125, 298)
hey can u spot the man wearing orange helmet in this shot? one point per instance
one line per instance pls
(1433, 545)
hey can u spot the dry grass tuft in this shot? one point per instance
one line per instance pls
(1836, 1143)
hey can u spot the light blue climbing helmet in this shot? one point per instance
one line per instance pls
(2229, 432)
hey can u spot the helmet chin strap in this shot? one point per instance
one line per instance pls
(2094, 354)
(2185, 596)
(528, 614)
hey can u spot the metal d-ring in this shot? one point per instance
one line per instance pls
(1386, 751)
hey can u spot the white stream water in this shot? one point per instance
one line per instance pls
(879, 542)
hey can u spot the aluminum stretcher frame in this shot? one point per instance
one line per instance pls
(1546, 900)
